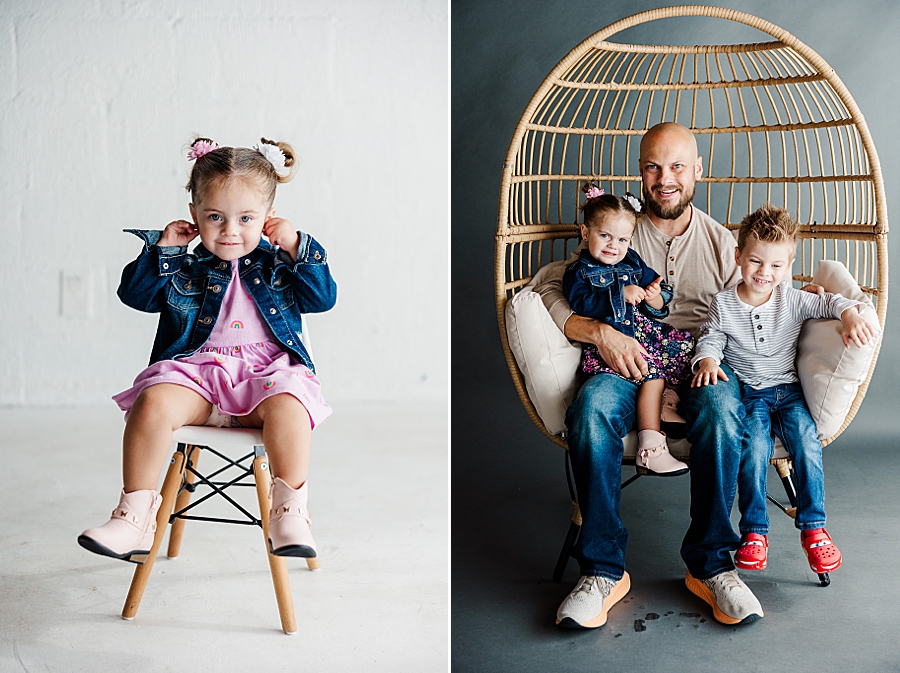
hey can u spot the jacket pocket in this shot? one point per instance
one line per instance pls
(185, 293)
(601, 279)
(282, 293)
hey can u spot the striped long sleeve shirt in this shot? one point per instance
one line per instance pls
(760, 342)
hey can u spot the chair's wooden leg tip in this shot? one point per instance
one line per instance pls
(127, 619)
(290, 633)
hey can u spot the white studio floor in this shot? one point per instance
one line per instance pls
(378, 498)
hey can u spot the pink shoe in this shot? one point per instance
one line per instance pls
(654, 457)
(670, 420)
(129, 533)
(290, 531)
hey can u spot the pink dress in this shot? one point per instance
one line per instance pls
(239, 366)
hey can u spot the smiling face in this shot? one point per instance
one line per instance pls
(670, 168)
(763, 265)
(608, 237)
(230, 216)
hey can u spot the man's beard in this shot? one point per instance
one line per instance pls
(668, 212)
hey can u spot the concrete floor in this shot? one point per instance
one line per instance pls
(511, 512)
(378, 496)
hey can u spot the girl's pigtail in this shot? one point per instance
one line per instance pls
(290, 160)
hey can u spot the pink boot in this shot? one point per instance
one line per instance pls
(128, 535)
(653, 456)
(290, 531)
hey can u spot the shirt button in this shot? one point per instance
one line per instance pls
(627, 322)
(206, 320)
(624, 277)
(756, 316)
(187, 285)
(216, 288)
(290, 343)
(246, 262)
(761, 340)
(317, 255)
(223, 265)
(671, 273)
(256, 281)
(165, 265)
(278, 282)
(671, 259)
(668, 242)
(272, 311)
(759, 327)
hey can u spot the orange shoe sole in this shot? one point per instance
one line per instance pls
(623, 586)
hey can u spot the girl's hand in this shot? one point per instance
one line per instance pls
(634, 294)
(280, 232)
(708, 372)
(855, 328)
(652, 291)
(178, 233)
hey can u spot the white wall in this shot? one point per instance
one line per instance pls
(97, 102)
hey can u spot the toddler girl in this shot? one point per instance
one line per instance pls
(606, 282)
(228, 344)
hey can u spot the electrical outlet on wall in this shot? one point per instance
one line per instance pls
(75, 296)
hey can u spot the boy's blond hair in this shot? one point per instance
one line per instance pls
(769, 225)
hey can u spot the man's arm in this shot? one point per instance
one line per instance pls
(623, 354)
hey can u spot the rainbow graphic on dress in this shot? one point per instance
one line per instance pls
(197, 380)
(309, 374)
(268, 384)
(237, 324)
(218, 359)
(237, 349)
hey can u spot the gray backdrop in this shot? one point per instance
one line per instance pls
(510, 505)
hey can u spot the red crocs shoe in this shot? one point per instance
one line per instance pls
(820, 551)
(751, 555)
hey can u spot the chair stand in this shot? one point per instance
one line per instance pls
(782, 466)
(176, 492)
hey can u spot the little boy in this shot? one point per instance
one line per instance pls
(753, 327)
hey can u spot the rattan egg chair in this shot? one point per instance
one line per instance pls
(773, 123)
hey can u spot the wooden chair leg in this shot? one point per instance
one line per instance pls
(277, 564)
(142, 572)
(184, 499)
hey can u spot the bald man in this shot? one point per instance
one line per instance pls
(695, 254)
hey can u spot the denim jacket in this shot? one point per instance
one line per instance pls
(187, 289)
(597, 290)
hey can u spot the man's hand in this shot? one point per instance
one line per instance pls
(855, 328)
(634, 295)
(623, 354)
(178, 233)
(708, 372)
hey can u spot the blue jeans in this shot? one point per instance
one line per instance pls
(601, 414)
(780, 411)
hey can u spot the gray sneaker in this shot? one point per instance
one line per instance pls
(731, 600)
(590, 600)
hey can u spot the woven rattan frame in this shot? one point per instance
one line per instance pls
(773, 121)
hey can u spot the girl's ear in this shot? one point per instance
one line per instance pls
(271, 214)
(584, 232)
(193, 212)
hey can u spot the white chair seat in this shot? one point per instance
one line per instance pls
(204, 435)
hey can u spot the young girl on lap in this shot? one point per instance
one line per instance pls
(228, 342)
(611, 283)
